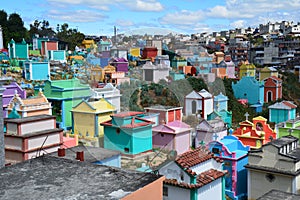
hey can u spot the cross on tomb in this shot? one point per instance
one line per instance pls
(215, 136)
(246, 115)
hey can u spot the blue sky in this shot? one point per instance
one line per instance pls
(98, 17)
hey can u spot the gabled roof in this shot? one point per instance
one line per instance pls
(220, 97)
(195, 157)
(172, 127)
(285, 105)
(205, 94)
(100, 106)
(203, 179)
(193, 95)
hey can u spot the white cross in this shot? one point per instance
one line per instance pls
(246, 115)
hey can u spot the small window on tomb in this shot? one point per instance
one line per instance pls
(216, 150)
(270, 177)
(126, 150)
(259, 126)
(165, 191)
(118, 130)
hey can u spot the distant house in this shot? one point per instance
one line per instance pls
(33, 106)
(274, 166)
(196, 174)
(249, 88)
(9, 93)
(174, 135)
(282, 111)
(234, 154)
(198, 103)
(87, 116)
(207, 131)
(255, 134)
(128, 133)
(272, 89)
(36, 70)
(154, 73)
(30, 137)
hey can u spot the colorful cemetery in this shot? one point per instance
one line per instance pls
(155, 73)
(167, 114)
(128, 133)
(110, 93)
(267, 72)
(196, 174)
(247, 69)
(30, 137)
(18, 50)
(149, 52)
(117, 52)
(282, 111)
(199, 103)
(220, 110)
(272, 89)
(289, 127)
(104, 45)
(36, 70)
(172, 136)
(234, 154)
(230, 67)
(121, 64)
(256, 133)
(59, 55)
(177, 62)
(28, 107)
(207, 131)
(249, 88)
(274, 166)
(86, 119)
(9, 93)
(64, 95)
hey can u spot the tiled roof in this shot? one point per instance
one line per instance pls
(194, 157)
(203, 179)
(289, 104)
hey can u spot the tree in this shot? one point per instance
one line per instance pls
(15, 27)
(70, 36)
(42, 28)
(3, 24)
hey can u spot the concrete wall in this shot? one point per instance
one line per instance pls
(177, 193)
(36, 142)
(211, 191)
(182, 142)
(13, 143)
(37, 126)
(258, 184)
(149, 192)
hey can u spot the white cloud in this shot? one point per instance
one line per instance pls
(183, 17)
(76, 16)
(135, 5)
(238, 24)
(122, 22)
